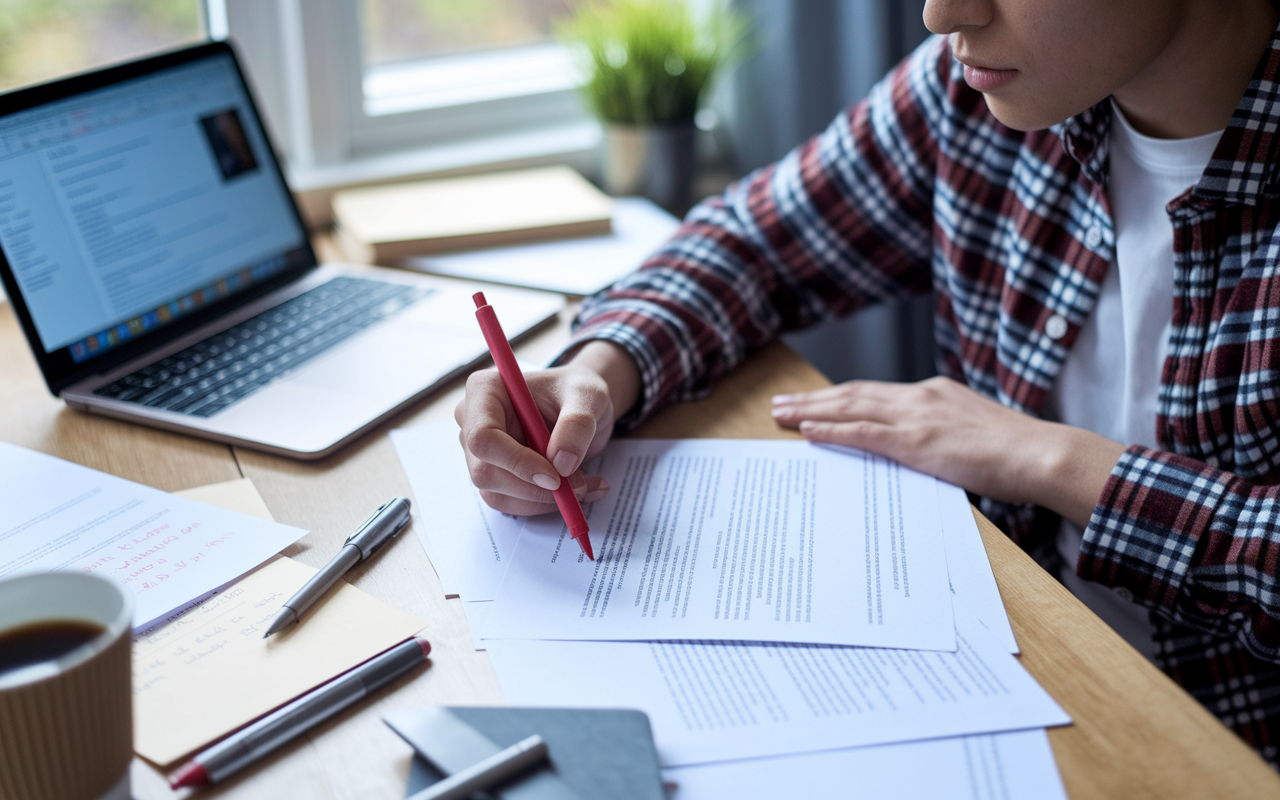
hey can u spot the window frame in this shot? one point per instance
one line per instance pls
(306, 63)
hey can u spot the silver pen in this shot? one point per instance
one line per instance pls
(246, 746)
(495, 769)
(376, 531)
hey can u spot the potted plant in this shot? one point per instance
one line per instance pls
(647, 63)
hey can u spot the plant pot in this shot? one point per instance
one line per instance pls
(651, 160)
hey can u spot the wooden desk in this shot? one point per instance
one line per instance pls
(1136, 734)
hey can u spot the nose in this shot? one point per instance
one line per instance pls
(949, 16)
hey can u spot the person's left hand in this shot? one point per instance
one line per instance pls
(944, 428)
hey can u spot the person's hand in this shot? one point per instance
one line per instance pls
(943, 428)
(580, 402)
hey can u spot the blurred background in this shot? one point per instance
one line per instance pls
(366, 91)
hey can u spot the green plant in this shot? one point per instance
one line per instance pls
(647, 61)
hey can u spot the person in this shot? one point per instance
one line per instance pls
(1090, 187)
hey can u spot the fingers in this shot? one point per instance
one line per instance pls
(485, 417)
(584, 409)
(835, 409)
(512, 477)
(865, 389)
(873, 437)
(510, 495)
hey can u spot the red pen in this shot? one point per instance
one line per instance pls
(535, 427)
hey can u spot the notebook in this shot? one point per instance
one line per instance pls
(591, 752)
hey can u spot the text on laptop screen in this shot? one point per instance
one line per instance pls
(124, 208)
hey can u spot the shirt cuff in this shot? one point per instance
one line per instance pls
(1152, 515)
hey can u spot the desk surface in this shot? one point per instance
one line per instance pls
(1136, 734)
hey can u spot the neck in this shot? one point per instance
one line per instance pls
(1194, 85)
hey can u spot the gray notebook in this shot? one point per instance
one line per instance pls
(591, 753)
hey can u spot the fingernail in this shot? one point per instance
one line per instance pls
(565, 462)
(779, 399)
(546, 482)
(777, 412)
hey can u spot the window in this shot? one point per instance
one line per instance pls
(41, 41)
(367, 90)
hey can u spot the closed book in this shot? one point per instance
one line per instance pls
(382, 223)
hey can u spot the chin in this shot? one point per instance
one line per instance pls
(1025, 116)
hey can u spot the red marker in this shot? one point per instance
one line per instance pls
(247, 745)
(535, 427)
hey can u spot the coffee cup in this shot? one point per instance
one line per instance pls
(66, 694)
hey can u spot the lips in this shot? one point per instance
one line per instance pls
(988, 80)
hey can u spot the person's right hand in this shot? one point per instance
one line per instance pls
(580, 402)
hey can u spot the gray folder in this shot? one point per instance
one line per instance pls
(591, 753)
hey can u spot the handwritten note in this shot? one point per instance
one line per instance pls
(209, 671)
(169, 551)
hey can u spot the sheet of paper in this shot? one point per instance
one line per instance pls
(973, 586)
(722, 701)
(239, 495)
(581, 266)
(169, 551)
(772, 541)
(476, 613)
(1004, 766)
(469, 543)
(210, 671)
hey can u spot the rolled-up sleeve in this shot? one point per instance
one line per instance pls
(1198, 544)
(842, 221)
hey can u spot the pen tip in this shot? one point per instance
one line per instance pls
(478, 297)
(284, 619)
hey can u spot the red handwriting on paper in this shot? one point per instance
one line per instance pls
(220, 540)
(100, 562)
(143, 538)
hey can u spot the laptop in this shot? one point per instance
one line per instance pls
(161, 271)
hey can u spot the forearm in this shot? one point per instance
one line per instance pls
(1066, 469)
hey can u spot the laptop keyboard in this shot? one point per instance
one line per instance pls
(211, 375)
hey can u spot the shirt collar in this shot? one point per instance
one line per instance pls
(1246, 163)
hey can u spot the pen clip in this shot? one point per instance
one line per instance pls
(364, 526)
(373, 533)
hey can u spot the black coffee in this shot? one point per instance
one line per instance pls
(43, 641)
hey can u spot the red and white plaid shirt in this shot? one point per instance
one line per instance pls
(920, 187)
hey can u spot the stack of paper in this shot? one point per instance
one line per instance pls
(210, 671)
(775, 607)
(171, 552)
(580, 266)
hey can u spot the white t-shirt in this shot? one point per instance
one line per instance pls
(1111, 379)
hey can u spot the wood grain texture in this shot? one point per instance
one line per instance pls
(1136, 734)
(31, 417)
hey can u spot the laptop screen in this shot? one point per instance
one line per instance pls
(128, 207)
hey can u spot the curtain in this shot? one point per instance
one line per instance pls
(813, 58)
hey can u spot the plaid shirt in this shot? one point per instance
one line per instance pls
(920, 187)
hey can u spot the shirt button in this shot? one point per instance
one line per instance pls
(1093, 237)
(1055, 327)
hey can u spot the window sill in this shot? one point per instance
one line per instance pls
(576, 144)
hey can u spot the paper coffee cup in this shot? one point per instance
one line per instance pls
(66, 725)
